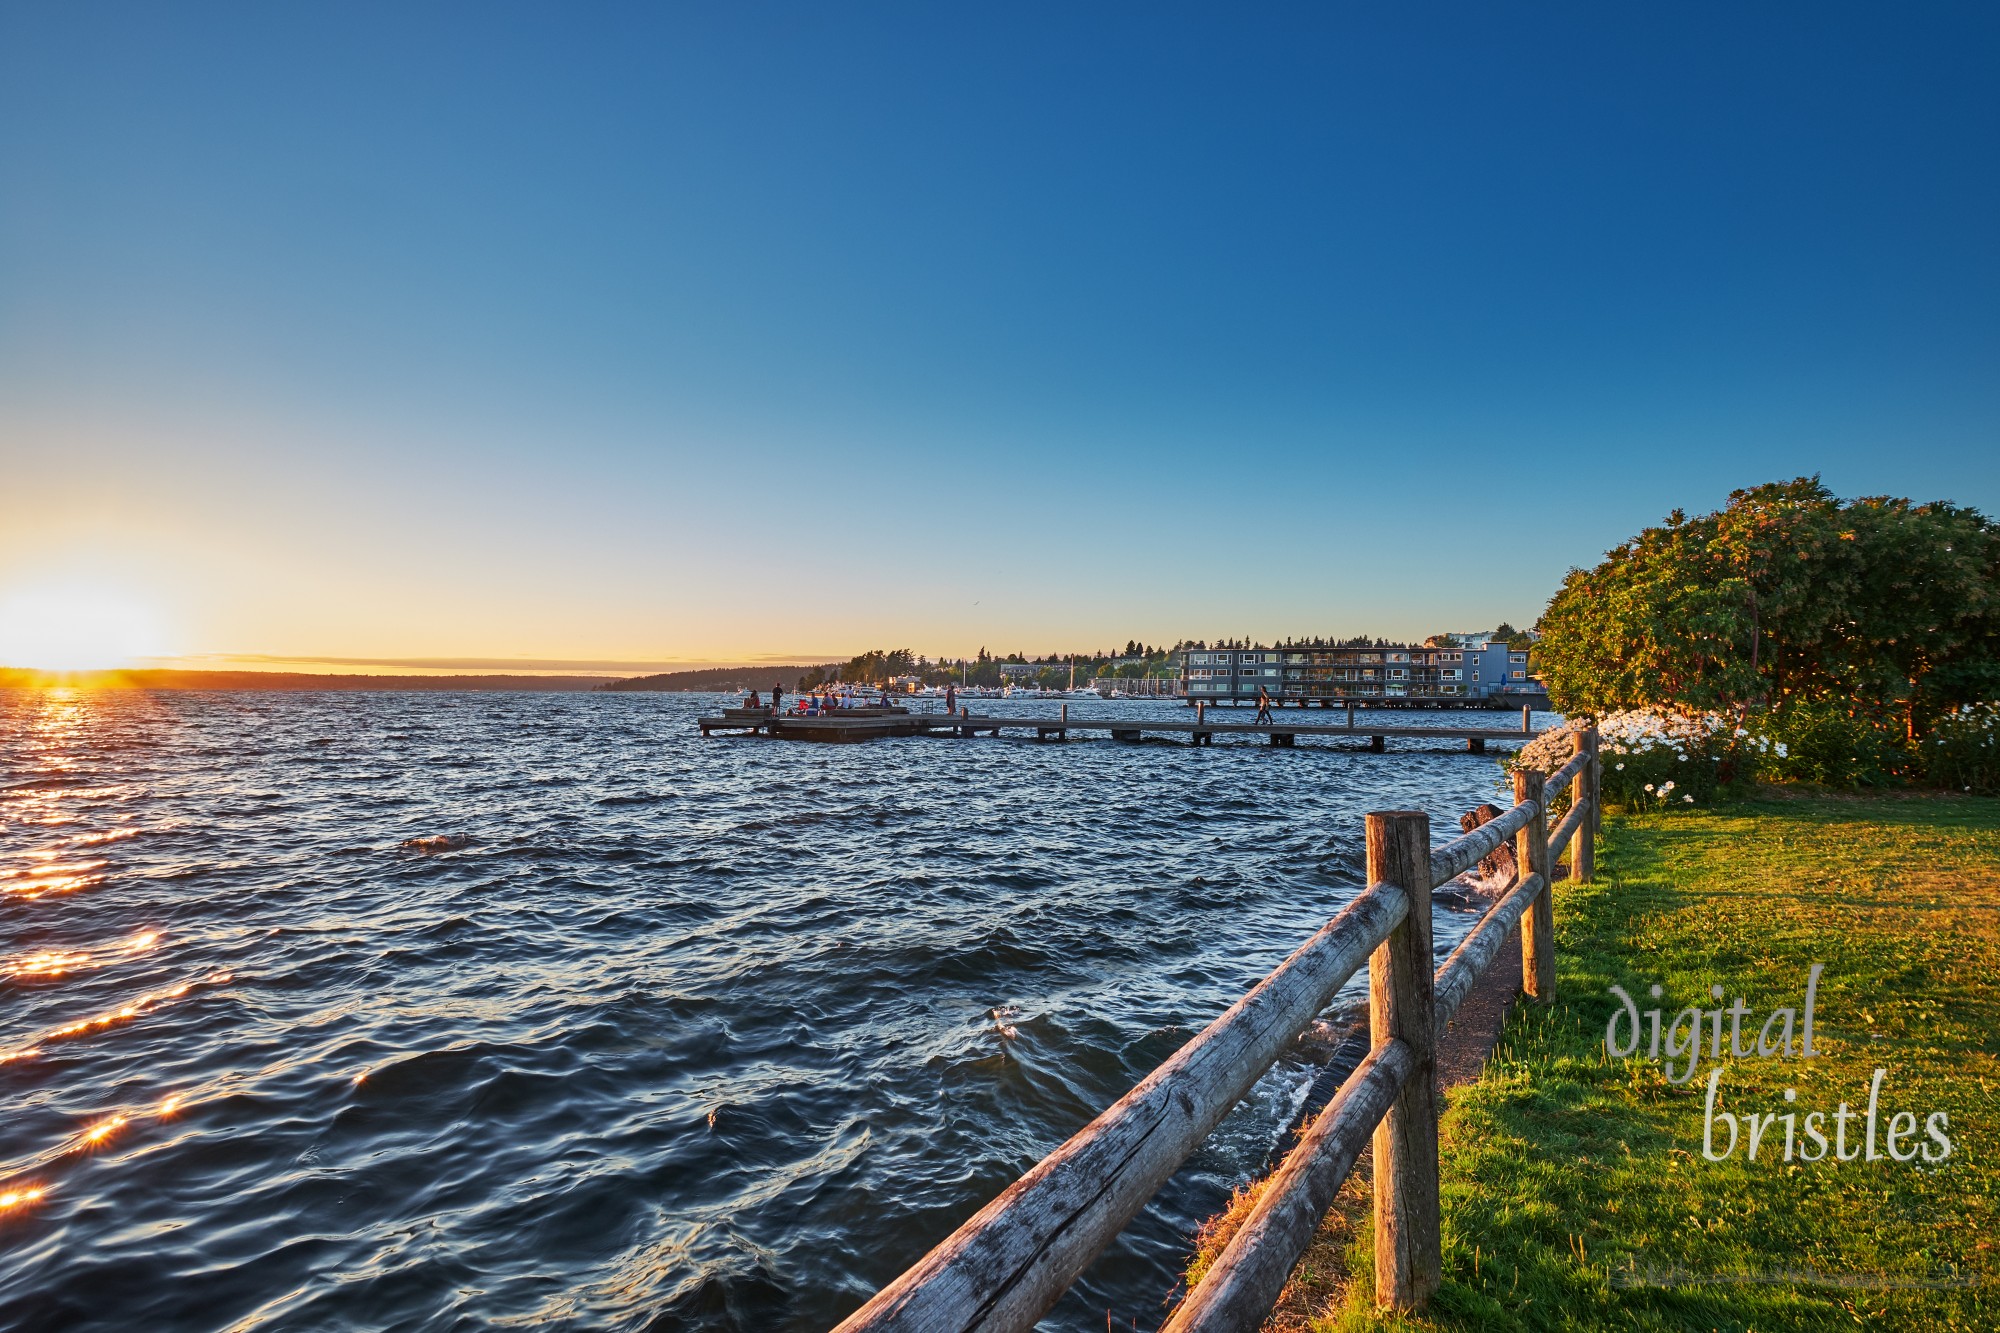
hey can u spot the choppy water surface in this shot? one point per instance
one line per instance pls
(686, 1034)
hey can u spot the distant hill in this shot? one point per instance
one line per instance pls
(721, 678)
(301, 680)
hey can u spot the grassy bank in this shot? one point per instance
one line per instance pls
(1576, 1190)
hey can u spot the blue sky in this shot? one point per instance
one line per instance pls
(661, 333)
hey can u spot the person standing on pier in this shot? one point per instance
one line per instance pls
(778, 697)
(1263, 704)
(950, 698)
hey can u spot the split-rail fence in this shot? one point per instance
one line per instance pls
(1004, 1268)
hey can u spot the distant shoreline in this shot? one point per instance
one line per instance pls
(717, 680)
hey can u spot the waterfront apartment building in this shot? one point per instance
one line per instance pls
(1462, 674)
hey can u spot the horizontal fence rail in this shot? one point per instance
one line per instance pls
(1559, 838)
(1243, 1283)
(1461, 854)
(1559, 779)
(1005, 1267)
(1476, 952)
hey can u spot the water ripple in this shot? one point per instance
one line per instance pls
(359, 1011)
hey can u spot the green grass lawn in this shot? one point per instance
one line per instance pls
(1576, 1192)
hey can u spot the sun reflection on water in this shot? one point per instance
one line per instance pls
(60, 962)
(123, 1014)
(60, 780)
(102, 1130)
(99, 839)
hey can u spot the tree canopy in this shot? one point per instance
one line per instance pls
(878, 666)
(1788, 594)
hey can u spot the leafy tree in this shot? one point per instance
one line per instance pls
(878, 666)
(1888, 609)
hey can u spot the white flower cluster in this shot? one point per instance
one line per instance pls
(1633, 731)
(1964, 747)
(1550, 750)
(1761, 744)
(1638, 731)
(1970, 720)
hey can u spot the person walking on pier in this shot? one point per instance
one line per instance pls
(1263, 704)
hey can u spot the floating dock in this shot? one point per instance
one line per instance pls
(879, 724)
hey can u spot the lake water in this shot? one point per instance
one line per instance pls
(694, 1034)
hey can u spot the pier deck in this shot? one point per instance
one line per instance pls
(1200, 731)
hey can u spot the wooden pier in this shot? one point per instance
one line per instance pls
(878, 724)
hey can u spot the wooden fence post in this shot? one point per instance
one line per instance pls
(1583, 848)
(1408, 1246)
(1531, 857)
(1596, 780)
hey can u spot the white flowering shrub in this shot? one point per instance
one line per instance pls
(1962, 751)
(1661, 760)
(1652, 760)
(1657, 760)
(1548, 751)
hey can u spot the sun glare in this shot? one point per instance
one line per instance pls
(77, 629)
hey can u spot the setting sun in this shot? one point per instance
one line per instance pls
(77, 629)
